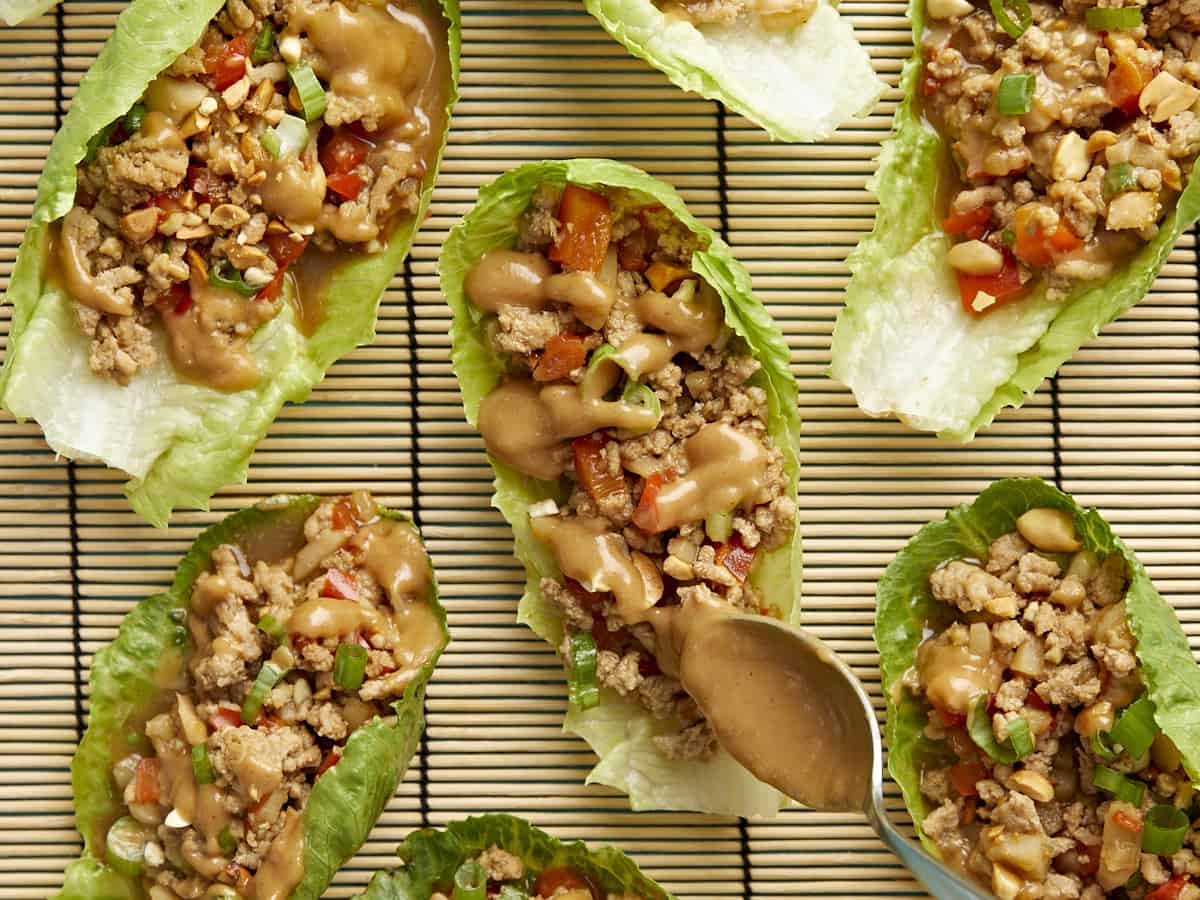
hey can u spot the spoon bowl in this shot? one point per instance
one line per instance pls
(788, 709)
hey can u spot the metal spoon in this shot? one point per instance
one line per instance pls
(784, 705)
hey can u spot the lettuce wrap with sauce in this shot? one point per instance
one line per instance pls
(799, 82)
(905, 342)
(522, 209)
(1155, 691)
(181, 437)
(156, 650)
(432, 858)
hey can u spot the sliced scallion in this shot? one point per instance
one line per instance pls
(134, 118)
(1014, 97)
(1102, 746)
(202, 765)
(287, 138)
(268, 677)
(312, 95)
(271, 626)
(583, 689)
(1119, 18)
(1121, 788)
(979, 726)
(643, 396)
(264, 45)
(511, 892)
(1136, 729)
(1014, 16)
(226, 841)
(1009, 237)
(1164, 830)
(1118, 178)
(223, 275)
(719, 526)
(470, 882)
(125, 845)
(349, 666)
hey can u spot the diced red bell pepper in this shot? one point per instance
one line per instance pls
(736, 557)
(227, 64)
(1089, 858)
(560, 879)
(1128, 822)
(645, 516)
(564, 353)
(1034, 699)
(345, 184)
(342, 517)
(283, 249)
(225, 718)
(339, 585)
(1004, 285)
(177, 297)
(662, 275)
(145, 781)
(1171, 890)
(1125, 82)
(965, 775)
(343, 152)
(328, 762)
(972, 224)
(1034, 245)
(591, 467)
(586, 231)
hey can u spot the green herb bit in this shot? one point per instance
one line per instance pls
(264, 45)
(1120, 18)
(583, 687)
(349, 666)
(223, 275)
(1014, 16)
(1014, 97)
(1118, 178)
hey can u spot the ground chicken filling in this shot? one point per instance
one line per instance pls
(292, 135)
(1056, 783)
(624, 381)
(773, 15)
(284, 659)
(505, 875)
(1074, 129)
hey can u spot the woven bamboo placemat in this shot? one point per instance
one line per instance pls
(1120, 428)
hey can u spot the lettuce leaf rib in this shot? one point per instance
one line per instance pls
(621, 732)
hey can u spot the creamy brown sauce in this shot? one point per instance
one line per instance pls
(324, 617)
(202, 805)
(727, 469)
(283, 867)
(294, 189)
(953, 674)
(761, 691)
(311, 276)
(394, 556)
(505, 277)
(520, 431)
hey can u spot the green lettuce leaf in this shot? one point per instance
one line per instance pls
(798, 85)
(621, 732)
(180, 442)
(903, 343)
(14, 12)
(344, 803)
(904, 603)
(430, 858)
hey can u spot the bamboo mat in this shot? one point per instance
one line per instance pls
(1120, 429)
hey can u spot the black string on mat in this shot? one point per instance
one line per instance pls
(723, 230)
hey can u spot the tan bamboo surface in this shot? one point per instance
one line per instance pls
(1120, 429)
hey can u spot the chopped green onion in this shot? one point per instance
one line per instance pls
(1102, 746)
(1009, 237)
(312, 95)
(603, 372)
(287, 138)
(1136, 729)
(643, 396)
(1014, 97)
(1122, 788)
(202, 765)
(264, 45)
(1135, 881)
(125, 845)
(133, 118)
(511, 892)
(719, 526)
(1004, 10)
(583, 689)
(349, 666)
(268, 677)
(98, 140)
(470, 882)
(223, 275)
(1164, 830)
(227, 842)
(1119, 178)
(979, 726)
(1120, 18)
(270, 625)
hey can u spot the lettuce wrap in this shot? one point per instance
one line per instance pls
(14, 12)
(621, 732)
(431, 857)
(349, 795)
(903, 342)
(770, 77)
(906, 604)
(179, 441)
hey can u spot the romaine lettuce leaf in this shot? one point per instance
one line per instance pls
(344, 803)
(903, 343)
(430, 857)
(798, 85)
(14, 12)
(180, 442)
(904, 604)
(620, 731)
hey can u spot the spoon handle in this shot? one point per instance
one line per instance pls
(938, 878)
